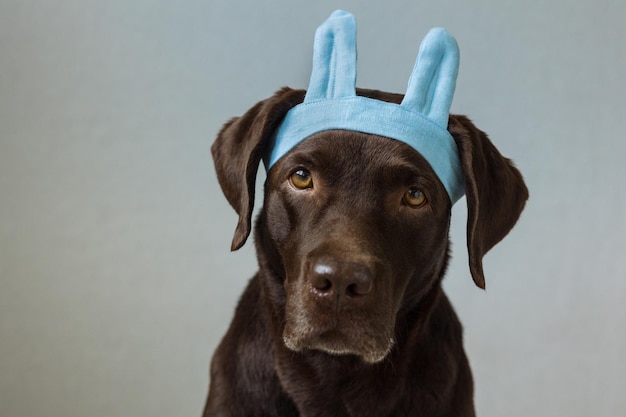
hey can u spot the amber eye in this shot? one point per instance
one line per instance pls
(414, 197)
(302, 179)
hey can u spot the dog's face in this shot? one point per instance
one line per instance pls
(354, 226)
(356, 219)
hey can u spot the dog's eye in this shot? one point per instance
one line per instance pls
(302, 179)
(414, 198)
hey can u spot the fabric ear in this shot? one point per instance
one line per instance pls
(238, 150)
(494, 189)
(433, 80)
(334, 59)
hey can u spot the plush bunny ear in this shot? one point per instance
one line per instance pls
(420, 121)
(433, 80)
(334, 59)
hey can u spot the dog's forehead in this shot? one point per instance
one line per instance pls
(345, 150)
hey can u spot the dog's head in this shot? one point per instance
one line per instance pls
(354, 226)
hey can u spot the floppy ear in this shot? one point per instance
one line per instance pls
(494, 189)
(239, 148)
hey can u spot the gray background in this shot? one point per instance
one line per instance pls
(115, 278)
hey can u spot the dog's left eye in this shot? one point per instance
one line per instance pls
(414, 198)
(302, 179)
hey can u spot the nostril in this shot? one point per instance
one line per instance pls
(323, 285)
(362, 284)
(321, 277)
(352, 290)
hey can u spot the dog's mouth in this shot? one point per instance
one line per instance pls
(371, 343)
(329, 308)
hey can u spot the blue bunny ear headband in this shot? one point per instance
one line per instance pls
(420, 120)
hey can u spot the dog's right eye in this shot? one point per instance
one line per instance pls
(414, 198)
(302, 179)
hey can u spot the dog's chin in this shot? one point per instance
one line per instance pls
(336, 343)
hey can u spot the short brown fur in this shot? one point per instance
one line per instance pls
(381, 338)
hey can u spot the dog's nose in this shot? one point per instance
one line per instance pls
(342, 280)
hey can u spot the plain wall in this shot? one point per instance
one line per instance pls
(116, 282)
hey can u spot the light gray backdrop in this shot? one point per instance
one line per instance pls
(115, 278)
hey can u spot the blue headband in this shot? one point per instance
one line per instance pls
(420, 121)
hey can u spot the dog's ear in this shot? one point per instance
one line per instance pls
(494, 189)
(239, 148)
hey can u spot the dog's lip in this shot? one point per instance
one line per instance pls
(330, 335)
(337, 343)
(333, 341)
(320, 334)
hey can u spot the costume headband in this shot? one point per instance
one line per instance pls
(420, 121)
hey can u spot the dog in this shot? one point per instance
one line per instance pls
(346, 315)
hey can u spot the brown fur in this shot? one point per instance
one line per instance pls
(346, 316)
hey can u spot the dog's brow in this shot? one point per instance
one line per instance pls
(306, 158)
(402, 172)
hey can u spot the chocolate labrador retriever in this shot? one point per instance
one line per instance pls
(346, 316)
